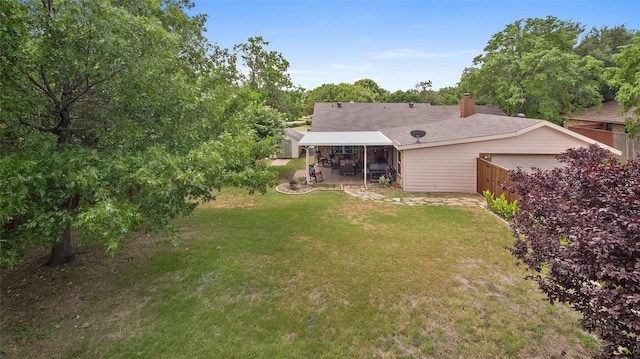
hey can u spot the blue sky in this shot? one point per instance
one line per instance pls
(395, 43)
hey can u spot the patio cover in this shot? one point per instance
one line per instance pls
(346, 138)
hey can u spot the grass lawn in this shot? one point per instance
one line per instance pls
(286, 172)
(321, 275)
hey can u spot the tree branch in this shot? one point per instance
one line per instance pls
(45, 90)
(92, 86)
(39, 128)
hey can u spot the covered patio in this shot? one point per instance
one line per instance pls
(341, 161)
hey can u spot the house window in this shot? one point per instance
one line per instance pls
(609, 126)
(343, 149)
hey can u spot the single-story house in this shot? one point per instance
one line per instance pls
(288, 146)
(605, 125)
(429, 148)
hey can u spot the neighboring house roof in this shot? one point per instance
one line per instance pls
(442, 124)
(297, 135)
(608, 114)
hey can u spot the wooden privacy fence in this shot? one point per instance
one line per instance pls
(491, 177)
(630, 147)
(602, 136)
(621, 141)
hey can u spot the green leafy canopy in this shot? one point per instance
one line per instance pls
(530, 67)
(111, 122)
(626, 78)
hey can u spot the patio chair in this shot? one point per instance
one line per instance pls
(358, 166)
(348, 170)
(315, 176)
(335, 165)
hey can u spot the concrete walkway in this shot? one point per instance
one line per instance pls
(280, 162)
(464, 200)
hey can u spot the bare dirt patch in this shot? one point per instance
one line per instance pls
(47, 310)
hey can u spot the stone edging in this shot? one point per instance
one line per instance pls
(304, 189)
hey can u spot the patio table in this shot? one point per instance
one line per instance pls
(344, 162)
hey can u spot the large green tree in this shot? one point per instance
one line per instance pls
(530, 67)
(602, 44)
(443, 96)
(373, 87)
(367, 90)
(266, 74)
(342, 92)
(403, 96)
(625, 77)
(449, 95)
(109, 125)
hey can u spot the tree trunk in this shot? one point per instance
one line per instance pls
(62, 252)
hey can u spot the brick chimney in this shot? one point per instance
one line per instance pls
(467, 106)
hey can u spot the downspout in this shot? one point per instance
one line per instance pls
(404, 171)
(364, 170)
(306, 169)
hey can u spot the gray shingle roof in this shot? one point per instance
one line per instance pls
(374, 116)
(294, 134)
(474, 126)
(396, 120)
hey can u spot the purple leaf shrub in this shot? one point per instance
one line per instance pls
(578, 230)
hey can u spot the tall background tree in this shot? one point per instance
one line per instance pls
(367, 90)
(372, 86)
(530, 67)
(266, 74)
(403, 96)
(625, 77)
(342, 92)
(109, 124)
(443, 96)
(578, 230)
(602, 44)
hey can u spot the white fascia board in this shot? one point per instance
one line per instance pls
(347, 138)
(457, 141)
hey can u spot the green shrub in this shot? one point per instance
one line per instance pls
(296, 181)
(501, 206)
(383, 182)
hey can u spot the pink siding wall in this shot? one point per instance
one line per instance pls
(453, 168)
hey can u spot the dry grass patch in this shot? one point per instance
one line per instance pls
(323, 275)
